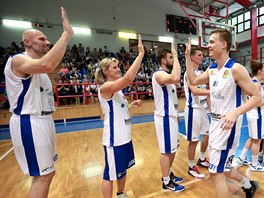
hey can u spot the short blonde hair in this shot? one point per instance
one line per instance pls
(104, 64)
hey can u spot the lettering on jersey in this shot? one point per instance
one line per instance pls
(128, 121)
(218, 96)
(215, 116)
(55, 158)
(215, 83)
(229, 162)
(43, 113)
(131, 163)
(203, 101)
(176, 106)
(212, 166)
(46, 169)
(226, 74)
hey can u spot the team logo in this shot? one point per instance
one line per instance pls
(226, 74)
(229, 162)
(211, 72)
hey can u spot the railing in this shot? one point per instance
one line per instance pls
(86, 94)
(245, 60)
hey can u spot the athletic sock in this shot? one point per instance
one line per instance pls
(191, 163)
(243, 153)
(245, 183)
(166, 180)
(254, 160)
(202, 156)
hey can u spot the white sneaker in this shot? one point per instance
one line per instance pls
(237, 162)
(123, 195)
(257, 168)
(194, 171)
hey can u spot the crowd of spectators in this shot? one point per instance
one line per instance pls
(79, 65)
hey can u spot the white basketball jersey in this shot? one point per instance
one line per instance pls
(165, 98)
(225, 96)
(258, 112)
(32, 95)
(117, 121)
(192, 100)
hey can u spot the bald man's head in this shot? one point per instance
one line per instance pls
(29, 34)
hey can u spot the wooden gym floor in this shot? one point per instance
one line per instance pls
(81, 163)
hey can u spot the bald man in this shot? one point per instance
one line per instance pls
(29, 91)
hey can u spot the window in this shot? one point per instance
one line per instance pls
(261, 20)
(247, 25)
(234, 21)
(247, 16)
(261, 10)
(240, 18)
(240, 27)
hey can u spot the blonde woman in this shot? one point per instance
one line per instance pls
(117, 142)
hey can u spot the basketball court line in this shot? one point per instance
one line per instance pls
(3, 156)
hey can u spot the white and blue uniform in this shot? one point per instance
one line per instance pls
(31, 125)
(225, 96)
(166, 115)
(118, 147)
(196, 119)
(255, 118)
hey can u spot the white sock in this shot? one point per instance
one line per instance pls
(202, 156)
(166, 180)
(254, 160)
(245, 183)
(191, 163)
(243, 153)
(260, 154)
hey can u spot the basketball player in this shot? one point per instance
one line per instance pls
(31, 101)
(227, 79)
(196, 119)
(118, 147)
(255, 118)
(166, 115)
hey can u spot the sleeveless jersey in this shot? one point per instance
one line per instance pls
(165, 98)
(117, 121)
(258, 112)
(225, 96)
(29, 96)
(192, 100)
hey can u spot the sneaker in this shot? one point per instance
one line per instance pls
(173, 187)
(237, 162)
(251, 191)
(194, 171)
(246, 162)
(257, 168)
(260, 159)
(123, 195)
(203, 163)
(175, 179)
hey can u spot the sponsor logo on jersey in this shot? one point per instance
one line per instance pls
(212, 166)
(216, 116)
(127, 121)
(218, 96)
(215, 83)
(131, 163)
(226, 74)
(43, 113)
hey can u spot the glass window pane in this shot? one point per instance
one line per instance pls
(261, 10)
(234, 21)
(240, 18)
(240, 27)
(229, 22)
(261, 20)
(247, 25)
(247, 15)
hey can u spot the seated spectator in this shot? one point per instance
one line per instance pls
(76, 89)
(63, 90)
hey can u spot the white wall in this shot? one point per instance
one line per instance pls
(140, 16)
